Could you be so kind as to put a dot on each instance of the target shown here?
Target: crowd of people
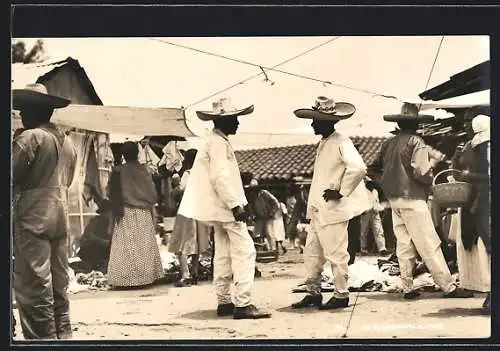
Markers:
(214, 209)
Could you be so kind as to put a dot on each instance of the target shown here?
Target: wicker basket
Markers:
(451, 195)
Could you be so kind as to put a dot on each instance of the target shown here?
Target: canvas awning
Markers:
(124, 120)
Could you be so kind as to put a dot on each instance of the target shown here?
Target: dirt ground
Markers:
(164, 312)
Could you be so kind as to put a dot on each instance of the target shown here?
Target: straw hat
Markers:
(409, 112)
(223, 108)
(37, 95)
(327, 109)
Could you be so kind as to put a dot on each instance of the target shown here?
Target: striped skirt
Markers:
(135, 257)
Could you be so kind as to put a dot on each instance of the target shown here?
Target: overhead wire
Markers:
(264, 69)
(432, 69)
(251, 77)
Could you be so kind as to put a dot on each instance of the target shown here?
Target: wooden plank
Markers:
(125, 120)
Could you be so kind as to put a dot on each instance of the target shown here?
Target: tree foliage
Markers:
(21, 55)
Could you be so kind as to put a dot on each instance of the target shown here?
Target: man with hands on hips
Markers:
(214, 193)
(338, 170)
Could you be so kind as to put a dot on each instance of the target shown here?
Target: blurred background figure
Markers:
(268, 210)
(370, 219)
(135, 257)
(189, 236)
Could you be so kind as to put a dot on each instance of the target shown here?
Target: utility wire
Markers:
(432, 69)
(251, 77)
(263, 69)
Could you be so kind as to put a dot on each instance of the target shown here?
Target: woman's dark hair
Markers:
(189, 157)
(130, 151)
(115, 195)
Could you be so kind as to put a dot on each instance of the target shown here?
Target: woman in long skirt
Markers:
(135, 257)
(474, 239)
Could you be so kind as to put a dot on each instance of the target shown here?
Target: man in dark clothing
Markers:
(43, 166)
(95, 241)
(406, 169)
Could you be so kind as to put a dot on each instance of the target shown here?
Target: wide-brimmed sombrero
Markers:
(36, 95)
(223, 108)
(327, 109)
(409, 112)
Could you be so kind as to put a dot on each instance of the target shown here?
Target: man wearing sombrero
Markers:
(43, 167)
(405, 165)
(214, 193)
(338, 170)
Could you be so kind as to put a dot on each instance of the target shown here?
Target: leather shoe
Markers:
(225, 309)
(459, 293)
(334, 303)
(249, 312)
(309, 301)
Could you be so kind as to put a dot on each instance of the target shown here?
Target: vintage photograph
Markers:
(250, 188)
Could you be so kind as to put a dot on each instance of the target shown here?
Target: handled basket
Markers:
(451, 195)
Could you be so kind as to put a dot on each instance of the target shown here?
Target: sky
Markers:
(145, 72)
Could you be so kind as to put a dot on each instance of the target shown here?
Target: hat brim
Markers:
(400, 117)
(343, 110)
(24, 97)
(210, 115)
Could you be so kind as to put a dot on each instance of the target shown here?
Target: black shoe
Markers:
(412, 295)
(284, 250)
(309, 301)
(225, 309)
(183, 283)
(384, 253)
(334, 303)
(249, 312)
(459, 293)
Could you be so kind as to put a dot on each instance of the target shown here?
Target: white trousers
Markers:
(327, 243)
(234, 260)
(415, 233)
(371, 219)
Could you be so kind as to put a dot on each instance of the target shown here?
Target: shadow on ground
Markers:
(204, 315)
(456, 312)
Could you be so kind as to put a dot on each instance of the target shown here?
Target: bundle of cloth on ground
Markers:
(94, 280)
(382, 276)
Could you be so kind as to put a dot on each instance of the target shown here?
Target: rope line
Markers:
(264, 69)
(251, 77)
(432, 69)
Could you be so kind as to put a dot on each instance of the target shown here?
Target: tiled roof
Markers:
(284, 163)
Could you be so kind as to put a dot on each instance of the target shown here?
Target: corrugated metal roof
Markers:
(24, 74)
(284, 163)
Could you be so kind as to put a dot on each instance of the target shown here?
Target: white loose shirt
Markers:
(338, 166)
(214, 186)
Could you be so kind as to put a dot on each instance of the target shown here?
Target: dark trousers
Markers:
(353, 235)
(40, 285)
